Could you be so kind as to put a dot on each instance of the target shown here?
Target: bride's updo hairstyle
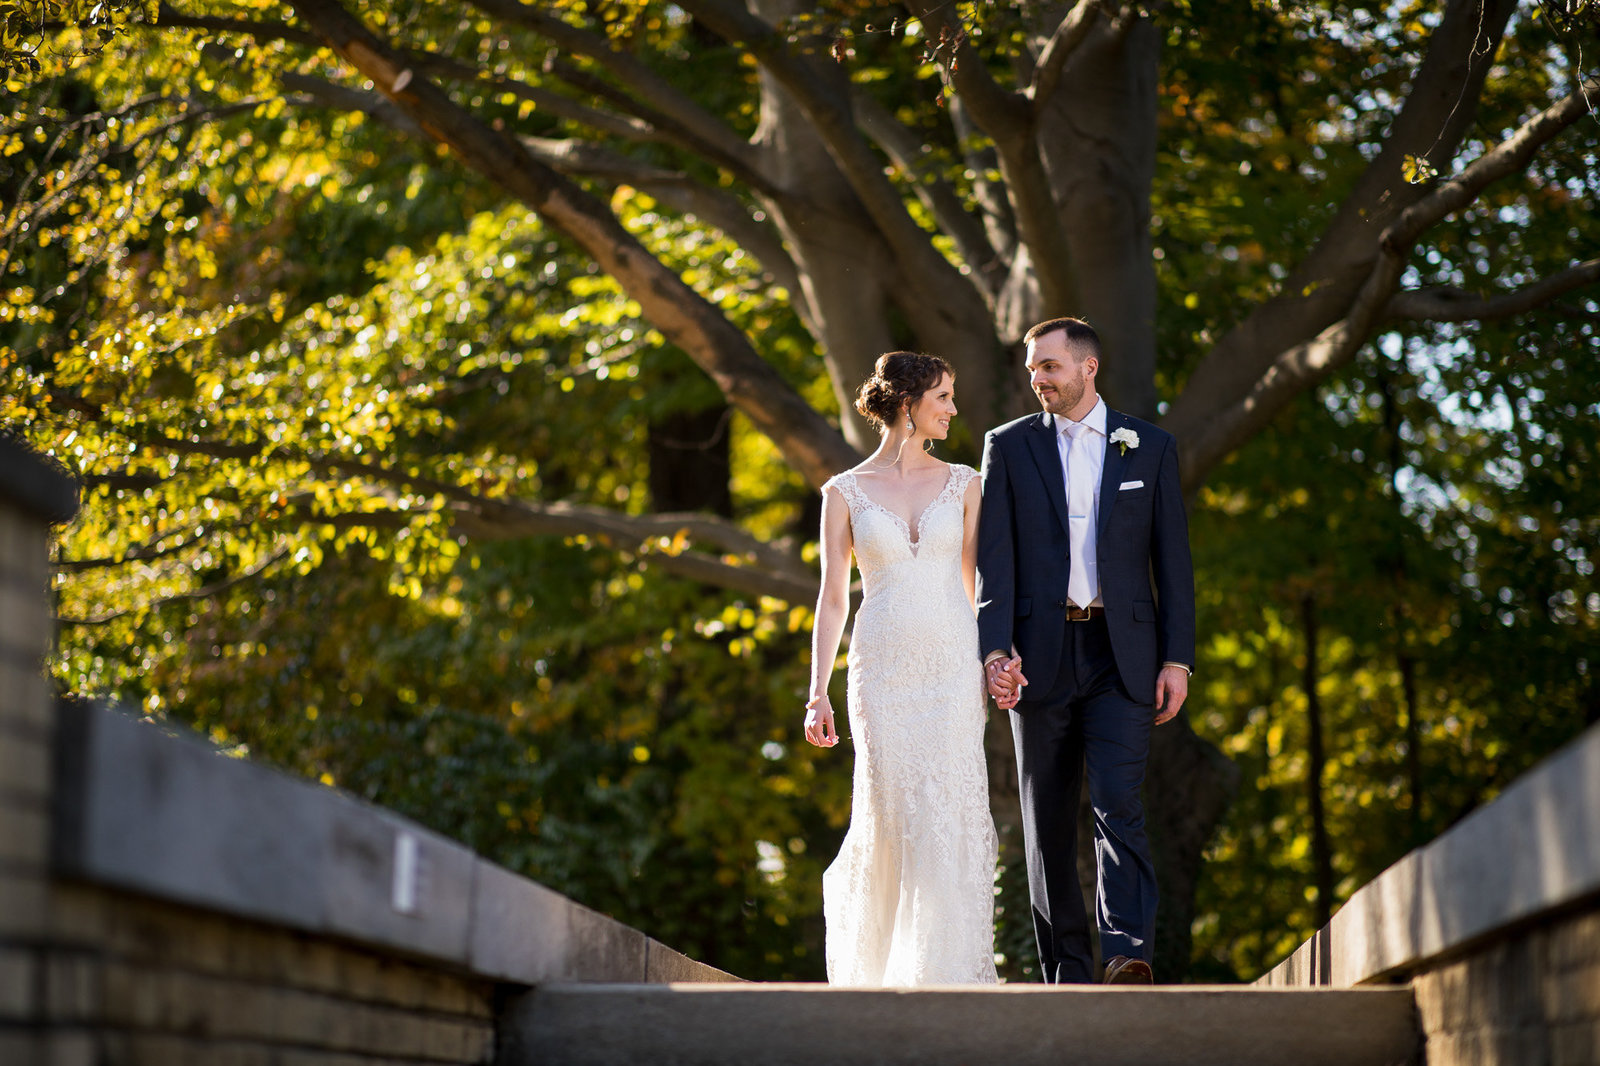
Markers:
(898, 377)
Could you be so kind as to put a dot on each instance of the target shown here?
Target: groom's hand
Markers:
(1005, 681)
(1172, 688)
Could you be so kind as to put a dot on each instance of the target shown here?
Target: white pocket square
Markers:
(1126, 485)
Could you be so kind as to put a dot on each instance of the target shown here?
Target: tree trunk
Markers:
(1405, 662)
(1413, 735)
(1098, 139)
(1316, 758)
(690, 461)
(852, 282)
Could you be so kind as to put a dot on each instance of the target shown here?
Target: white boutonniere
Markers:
(1125, 438)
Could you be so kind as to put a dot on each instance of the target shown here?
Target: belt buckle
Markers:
(1079, 614)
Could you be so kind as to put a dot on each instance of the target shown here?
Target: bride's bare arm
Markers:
(833, 606)
(972, 500)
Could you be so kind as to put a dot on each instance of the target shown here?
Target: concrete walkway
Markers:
(1017, 1025)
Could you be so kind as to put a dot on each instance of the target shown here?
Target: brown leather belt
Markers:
(1083, 614)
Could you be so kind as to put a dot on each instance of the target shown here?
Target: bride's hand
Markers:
(1005, 681)
(819, 723)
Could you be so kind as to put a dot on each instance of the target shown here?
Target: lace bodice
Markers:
(909, 901)
(883, 539)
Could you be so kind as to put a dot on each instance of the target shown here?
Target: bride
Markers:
(910, 899)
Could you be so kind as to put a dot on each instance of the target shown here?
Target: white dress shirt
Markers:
(1094, 442)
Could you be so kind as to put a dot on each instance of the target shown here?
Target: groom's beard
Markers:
(1062, 398)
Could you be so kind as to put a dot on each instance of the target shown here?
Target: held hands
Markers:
(819, 723)
(1005, 681)
(1172, 688)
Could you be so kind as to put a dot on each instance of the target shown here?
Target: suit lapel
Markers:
(1111, 472)
(1042, 443)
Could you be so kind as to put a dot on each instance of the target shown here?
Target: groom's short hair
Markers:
(1078, 332)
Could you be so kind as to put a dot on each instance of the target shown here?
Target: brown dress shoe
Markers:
(1121, 970)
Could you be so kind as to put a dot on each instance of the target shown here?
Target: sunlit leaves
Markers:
(1417, 171)
(28, 40)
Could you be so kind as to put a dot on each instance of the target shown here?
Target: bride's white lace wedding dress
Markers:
(910, 899)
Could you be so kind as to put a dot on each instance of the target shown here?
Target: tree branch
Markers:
(999, 111)
(828, 107)
(1008, 118)
(664, 128)
(1291, 373)
(87, 165)
(1509, 157)
(679, 121)
(814, 447)
(170, 16)
(653, 543)
(122, 480)
(714, 136)
(736, 560)
(998, 222)
(655, 540)
(721, 209)
(941, 200)
(343, 98)
(1377, 222)
(1071, 32)
(630, 127)
(513, 517)
(496, 519)
(642, 124)
(203, 593)
(150, 549)
(639, 124)
(1438, 112)
(748, 580)
(1449, 304)
(1303, 365)
(574, 157)
(746, 564)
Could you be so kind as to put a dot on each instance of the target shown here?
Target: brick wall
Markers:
(1530, 1000)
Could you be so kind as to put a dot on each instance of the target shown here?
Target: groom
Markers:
(1086, 621)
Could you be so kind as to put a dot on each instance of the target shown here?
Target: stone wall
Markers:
(136, 981)
(163, 904)
(1529, 999)
(31, 497)
(1495, 924)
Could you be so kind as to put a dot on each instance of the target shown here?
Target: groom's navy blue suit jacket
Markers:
(1146, 578)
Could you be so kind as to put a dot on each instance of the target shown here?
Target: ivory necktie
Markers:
(1084, 577)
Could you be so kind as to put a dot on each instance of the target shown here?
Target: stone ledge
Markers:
(1019, 1025)
(1532, 853)
(158, 812)
(35, 484)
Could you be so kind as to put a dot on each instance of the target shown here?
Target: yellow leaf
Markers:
(1417, 171)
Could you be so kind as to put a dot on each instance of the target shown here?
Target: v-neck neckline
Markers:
(907, 528)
